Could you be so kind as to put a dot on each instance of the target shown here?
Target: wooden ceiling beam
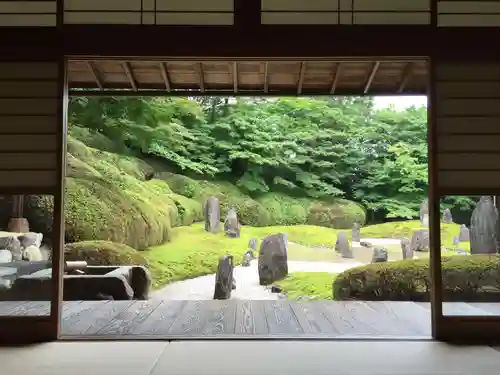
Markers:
(371, 77)
(95, 74)
(235, 77)
(164, 75)
(201, 76)
(130, 75)
(266, 84)
(405, 77)
(336, 77)
(301, 77)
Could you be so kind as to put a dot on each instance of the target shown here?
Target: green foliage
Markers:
(315, 285)
(321, 148)
(103, 253)
(465, 279)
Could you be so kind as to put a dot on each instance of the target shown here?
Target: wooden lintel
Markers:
(405, 78)
(95, 74)
(201, 76)
(301, 77)
(266, 85)
(336, 77)
(235, 77)
(165, 77)
(130, 75)
(369, 81)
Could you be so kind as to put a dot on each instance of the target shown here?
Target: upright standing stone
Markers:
(247, 258)
(252, 244)
(424, 210)
(380, 255)
(224, 278)
(464, 234)
(231, 224)
(420, 240)
(273, 259)
(356, 232)
(483, 227)
(447, 218)
(212, 215)
(425, 221)
(343, 245)
(456, 241)
(406, 248)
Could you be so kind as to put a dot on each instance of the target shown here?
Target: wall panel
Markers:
(468, 125)
(27, 13)
(29, 125)
(472, 13)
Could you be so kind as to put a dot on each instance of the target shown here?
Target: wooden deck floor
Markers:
(237, 318)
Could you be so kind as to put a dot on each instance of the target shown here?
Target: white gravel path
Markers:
(247, 282)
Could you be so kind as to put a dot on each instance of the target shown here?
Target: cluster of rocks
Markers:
(273, 252)
(18, 247)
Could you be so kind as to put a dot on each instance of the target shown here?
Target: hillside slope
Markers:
(114, 196)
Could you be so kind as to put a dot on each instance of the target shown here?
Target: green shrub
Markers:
(340, 214)
(189, 210)
(465, 279)
(103, 253)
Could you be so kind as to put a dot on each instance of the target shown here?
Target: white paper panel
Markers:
(473, 20)
(392, 5)
(95, 5)
(27, 7)
(303, 5)
(469, 7)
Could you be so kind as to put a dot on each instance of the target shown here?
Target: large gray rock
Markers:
(424, 210)
(12, 244)
(343, 246)
(420, 240)
(447, 218)
(380, 255)
(231, 224)
(464, 234)
(273, 259)
(455, 241)
(212, 215)
(31, 239)
(483, 227)
(425, 221)
(406, 248)
(224, 278)
(5, 256)
(356, 232)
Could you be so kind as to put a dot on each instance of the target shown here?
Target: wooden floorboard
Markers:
(238, 318)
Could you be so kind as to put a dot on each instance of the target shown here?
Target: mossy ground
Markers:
(315, 285)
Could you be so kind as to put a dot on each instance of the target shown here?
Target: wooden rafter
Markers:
(301, 77)
(130, 75)
(201, 76)
(95, 74)
(235, 77)
(369, 81)
(405, 77)
(164, 75)
(336, 77)
(266, 85)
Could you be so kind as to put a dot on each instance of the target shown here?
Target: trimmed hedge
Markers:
(465, 278)
(103, 253)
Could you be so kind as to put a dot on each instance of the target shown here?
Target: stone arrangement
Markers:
(447, 218)
(273, 259)
(343, 246)
(380, 254)
(406, 248)
(231, 224)
(19, 247)
(424, 211)
(247, 258)
(252, 244)
(483, 227)
(356, 232)
(212, 215)
(420, 240)
(464, 234)
(224, 278)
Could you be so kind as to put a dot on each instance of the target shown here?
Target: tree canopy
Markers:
(321, 147)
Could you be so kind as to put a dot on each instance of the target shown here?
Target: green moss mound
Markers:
(311, 285)
(271, 208)
(465, 279)
(103, 253)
